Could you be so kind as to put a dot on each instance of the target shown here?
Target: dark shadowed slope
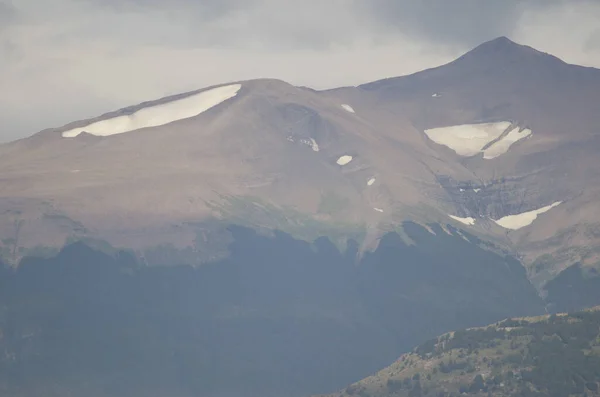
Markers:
(278, 317)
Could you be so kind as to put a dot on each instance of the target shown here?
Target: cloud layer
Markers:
(63, 60)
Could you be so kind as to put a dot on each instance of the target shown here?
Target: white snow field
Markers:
(344, 160)
(377, 209)
(371, 181)
(518, 221)
(158, 115)
(468, 139)
(467, 221)
(502, 146)
(348, 108)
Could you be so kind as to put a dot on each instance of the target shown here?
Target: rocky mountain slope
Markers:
(283, 241)
(547, 356)
(501, 142)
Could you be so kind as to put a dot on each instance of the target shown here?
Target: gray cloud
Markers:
(462, 22)
(8, 14)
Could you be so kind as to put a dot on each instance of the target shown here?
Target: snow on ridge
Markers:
(343, 160)
(348, 108)
(371, 181)
(158, 115)
(467, 221)
(314, 145)
(518, 221)
(377, 209)
(467, 139)
(310, 142)
(502, 146)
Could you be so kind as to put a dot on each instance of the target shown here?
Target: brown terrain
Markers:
(248, 160)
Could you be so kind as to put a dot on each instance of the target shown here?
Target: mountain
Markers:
(265, 239)
(546, 356)
(272, 156)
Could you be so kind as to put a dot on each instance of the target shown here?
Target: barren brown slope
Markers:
(252, 159)
(503, 81)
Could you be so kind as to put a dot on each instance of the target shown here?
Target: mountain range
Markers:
(257, 238)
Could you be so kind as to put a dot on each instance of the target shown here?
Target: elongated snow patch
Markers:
(158, 115)
(348, 108)
(377, 209)
(344, 160)
(502, 146)
(467, 221)
(371, 181)
(468, 139)
(518, 221)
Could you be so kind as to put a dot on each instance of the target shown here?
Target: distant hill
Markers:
(549, 356)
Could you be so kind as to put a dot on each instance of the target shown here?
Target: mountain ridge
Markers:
(513, 357)
(244, 147)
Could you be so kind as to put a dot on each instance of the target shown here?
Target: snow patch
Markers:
(429, 229)
(468, 139)
(518, 221)
(377, 209)
(436, 95)
(310, 142)
(344, 160)
(467, 221)
(348, 108)
(502, 146)
(476, 190)
(158, 115)
(371, 181)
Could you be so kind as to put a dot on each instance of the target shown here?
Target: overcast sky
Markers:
(63, 60)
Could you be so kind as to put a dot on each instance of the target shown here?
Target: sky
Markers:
(65, 60)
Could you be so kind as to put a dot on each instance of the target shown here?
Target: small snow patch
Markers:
(378, 209)
(158, 115)
(429, 229)
(310, 142)
(467, 221)
(348, 108)
(518, 221)
(476, 190)
(371, 181)
(468, 139)
(344, 160)
(436, 95)
(502, 146)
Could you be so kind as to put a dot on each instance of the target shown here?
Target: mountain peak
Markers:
(502, 49)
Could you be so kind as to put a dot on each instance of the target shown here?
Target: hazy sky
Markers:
(62, 60)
